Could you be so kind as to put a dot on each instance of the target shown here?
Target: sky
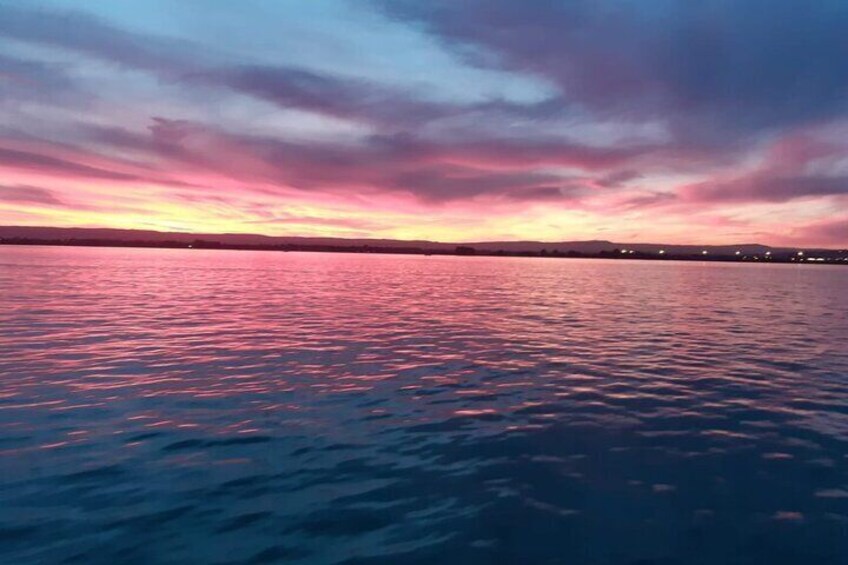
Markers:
(717, 121)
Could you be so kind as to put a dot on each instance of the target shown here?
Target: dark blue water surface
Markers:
(178, 406)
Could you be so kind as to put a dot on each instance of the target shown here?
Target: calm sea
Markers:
(178, 406)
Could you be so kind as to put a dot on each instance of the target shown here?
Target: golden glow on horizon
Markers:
(236, 208)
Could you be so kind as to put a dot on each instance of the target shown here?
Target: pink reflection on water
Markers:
(284, 334)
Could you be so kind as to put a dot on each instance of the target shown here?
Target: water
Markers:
(176, 406)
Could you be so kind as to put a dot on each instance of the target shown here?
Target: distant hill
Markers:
(592, 247)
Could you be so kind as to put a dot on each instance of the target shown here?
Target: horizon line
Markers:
(425, 241)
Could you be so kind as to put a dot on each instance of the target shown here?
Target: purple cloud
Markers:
(24, 194)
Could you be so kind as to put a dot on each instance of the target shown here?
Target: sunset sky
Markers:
(675, 121)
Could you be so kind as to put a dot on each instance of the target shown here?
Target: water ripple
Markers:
(168, 406)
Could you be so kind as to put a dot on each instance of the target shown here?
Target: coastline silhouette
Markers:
(85, 237)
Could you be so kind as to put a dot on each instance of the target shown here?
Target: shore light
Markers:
(704, 252)
(662, 251)
(800, 253)
(739, 253)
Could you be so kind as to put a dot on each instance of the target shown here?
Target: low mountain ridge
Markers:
(587, 247)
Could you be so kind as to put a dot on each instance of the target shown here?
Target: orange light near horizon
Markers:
(236, 207)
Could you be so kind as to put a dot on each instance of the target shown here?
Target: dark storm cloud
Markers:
(728, 65)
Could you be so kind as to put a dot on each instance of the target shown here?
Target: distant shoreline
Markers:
(828, 258)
